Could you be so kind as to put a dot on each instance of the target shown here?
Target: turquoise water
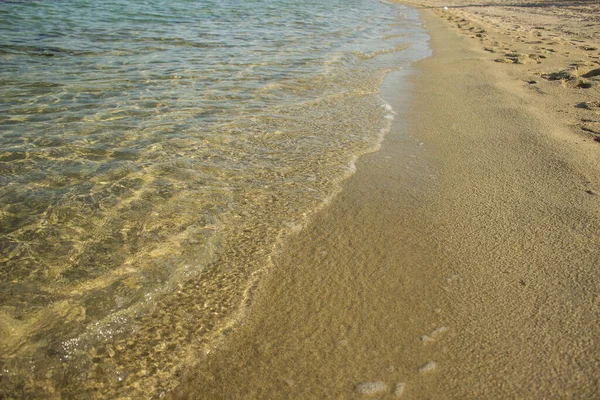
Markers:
(153, 156)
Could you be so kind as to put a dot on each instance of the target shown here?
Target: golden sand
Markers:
(462, 260)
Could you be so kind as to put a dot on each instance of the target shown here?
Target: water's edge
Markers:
(140, 350)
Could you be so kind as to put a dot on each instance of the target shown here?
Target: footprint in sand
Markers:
(592, 74)
(519, 58)
(592, 127)
(589, 105)
(573, 78)
(375, 388)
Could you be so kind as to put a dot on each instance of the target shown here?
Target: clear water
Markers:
(153, 155)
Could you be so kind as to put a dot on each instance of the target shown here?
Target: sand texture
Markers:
(462, 260)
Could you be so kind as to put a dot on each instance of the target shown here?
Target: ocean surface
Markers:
(154, 156)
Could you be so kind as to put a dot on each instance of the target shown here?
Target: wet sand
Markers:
(460, 261)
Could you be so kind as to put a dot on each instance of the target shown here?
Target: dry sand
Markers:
(552, 46)
(462, 260)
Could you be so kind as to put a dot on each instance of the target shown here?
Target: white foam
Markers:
(352, 166)
(388, 107)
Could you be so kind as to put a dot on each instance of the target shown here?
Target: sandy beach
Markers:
(462, 259)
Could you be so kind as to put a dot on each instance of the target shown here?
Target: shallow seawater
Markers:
(153, 156)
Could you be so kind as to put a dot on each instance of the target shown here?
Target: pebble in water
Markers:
(371, 388)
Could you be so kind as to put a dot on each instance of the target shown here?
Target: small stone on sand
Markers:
(439, 330)
(425, 339)
(399, 388)
(371, 388)
(430, 366)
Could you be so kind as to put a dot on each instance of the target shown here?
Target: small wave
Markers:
(373, 54)
(150, 173)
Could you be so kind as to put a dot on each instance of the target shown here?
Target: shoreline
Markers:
(460, 261)
(141, 248)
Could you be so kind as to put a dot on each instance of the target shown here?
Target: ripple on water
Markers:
(152, 156)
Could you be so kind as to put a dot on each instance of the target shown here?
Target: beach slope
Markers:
(460, 261)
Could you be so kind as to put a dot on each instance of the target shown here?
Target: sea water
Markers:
(153, 156)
